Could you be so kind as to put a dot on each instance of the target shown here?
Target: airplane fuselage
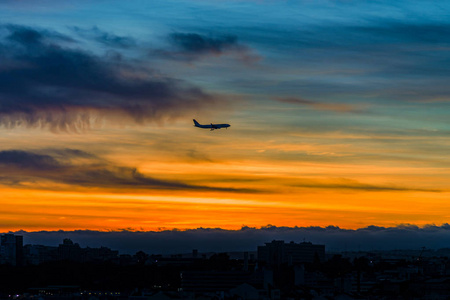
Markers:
(211, 126)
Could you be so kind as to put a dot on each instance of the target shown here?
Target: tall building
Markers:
(276, 253)
(69, 251)
(11, 249)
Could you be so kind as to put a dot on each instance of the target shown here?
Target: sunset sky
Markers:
(339, 114)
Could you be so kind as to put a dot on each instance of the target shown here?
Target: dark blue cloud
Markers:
(28, 160)
(106, 38)
(45, 83)
(196, 43)
(193, 46)
(64, 166)
(27, 36)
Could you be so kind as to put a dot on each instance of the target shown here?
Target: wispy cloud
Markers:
(377, 59)
(348, 184)
(336, 107)
(105, 38)
(82, 169)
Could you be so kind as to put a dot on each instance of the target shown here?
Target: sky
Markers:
(338, 112)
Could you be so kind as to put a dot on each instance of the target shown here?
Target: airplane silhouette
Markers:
(211, 126)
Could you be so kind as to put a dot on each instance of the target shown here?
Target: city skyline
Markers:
(338, 113)
(372, 238)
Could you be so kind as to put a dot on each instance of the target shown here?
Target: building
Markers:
(11, 249)
(38, 254)
(276, 253)
(69, 251)
(101, 254)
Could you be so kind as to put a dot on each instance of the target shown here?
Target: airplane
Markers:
(212, 126)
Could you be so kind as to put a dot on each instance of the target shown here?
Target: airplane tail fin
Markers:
(196, 123)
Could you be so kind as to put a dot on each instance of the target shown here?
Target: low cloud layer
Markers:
(47, 80)
(247, 239)
(82, 169)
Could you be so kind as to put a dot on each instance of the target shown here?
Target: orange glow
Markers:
(39, 210)
(222, 184)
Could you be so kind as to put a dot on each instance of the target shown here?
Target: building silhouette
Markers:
(37, 254)
(277, 253)
(69, 251)
(11, 249)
